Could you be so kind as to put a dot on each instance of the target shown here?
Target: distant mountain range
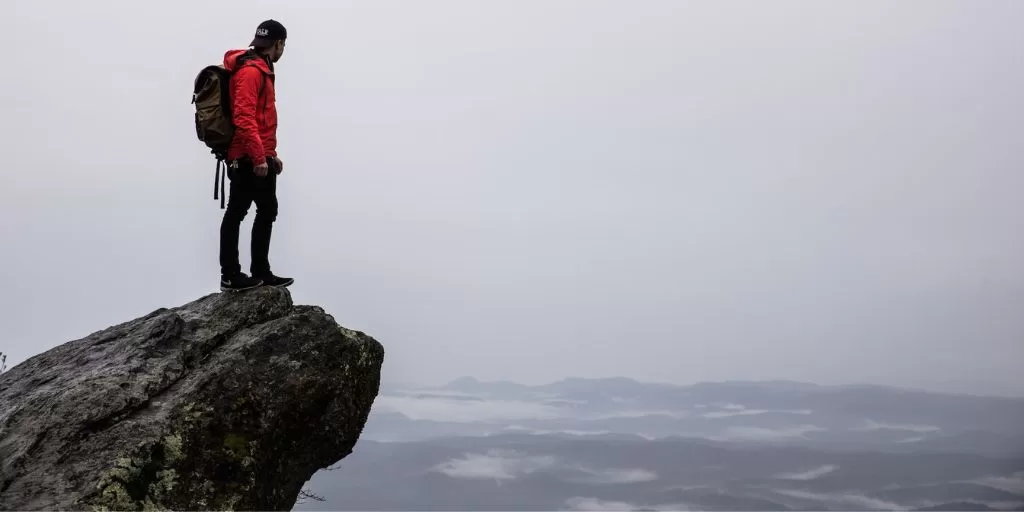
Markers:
(620, 444)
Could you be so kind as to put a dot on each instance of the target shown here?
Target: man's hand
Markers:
(280, 165)
(261, 170)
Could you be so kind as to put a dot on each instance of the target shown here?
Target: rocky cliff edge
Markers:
(229, 402)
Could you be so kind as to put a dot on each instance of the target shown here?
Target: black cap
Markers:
(268, 33)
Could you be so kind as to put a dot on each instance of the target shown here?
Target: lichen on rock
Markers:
(228, 402)
(142, 480)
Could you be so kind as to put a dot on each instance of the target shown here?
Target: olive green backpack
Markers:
(211, 95)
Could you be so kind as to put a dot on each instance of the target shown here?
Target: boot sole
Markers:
(227, 289)
(282, 285)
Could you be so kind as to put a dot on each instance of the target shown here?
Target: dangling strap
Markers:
(218, 180)
(223, 179)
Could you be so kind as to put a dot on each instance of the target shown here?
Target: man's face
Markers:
(277, 51)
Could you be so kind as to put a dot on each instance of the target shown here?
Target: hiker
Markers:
(252, 162)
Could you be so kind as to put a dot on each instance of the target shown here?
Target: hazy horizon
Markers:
(668, 191)
(445, 382)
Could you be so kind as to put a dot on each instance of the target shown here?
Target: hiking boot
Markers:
(238, 282)
(269, 279)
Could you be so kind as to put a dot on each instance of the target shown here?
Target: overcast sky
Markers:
(666, 190)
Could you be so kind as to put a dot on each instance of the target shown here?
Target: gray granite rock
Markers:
(229, 402)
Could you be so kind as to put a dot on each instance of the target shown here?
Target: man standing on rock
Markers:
(253, 165)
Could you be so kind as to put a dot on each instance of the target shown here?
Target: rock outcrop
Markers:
(229, 402)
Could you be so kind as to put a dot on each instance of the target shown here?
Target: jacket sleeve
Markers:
(245, 90)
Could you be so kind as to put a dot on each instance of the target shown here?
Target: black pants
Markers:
(246, 188)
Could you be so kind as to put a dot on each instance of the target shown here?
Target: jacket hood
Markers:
(235, 59)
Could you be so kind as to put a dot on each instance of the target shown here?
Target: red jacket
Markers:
(253, 106)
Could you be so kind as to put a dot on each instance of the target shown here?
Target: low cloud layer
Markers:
(848, 501)
(447, 409)
(1011, 483)
(598, 505)
(751, 412)
(615, 476)
(511, 464)
(871, 425)
(494, 465)
(766, 434)
(809, 475)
